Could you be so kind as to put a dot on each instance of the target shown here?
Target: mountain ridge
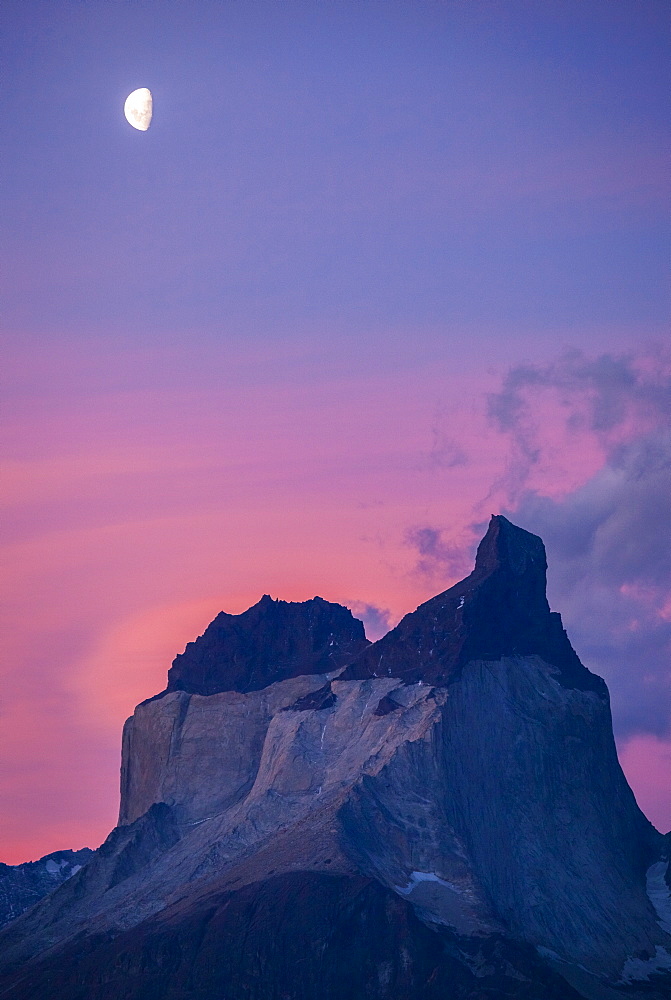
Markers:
(469, 791)
(271, 641)
(22, 885)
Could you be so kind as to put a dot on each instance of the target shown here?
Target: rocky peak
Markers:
(508, 549)
(500, 609)
(271, 641)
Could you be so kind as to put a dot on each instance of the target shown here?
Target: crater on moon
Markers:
(138, 109)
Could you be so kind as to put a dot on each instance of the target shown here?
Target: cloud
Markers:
(377, 621)
(587, 466)
(612, 398)
(609, 555)
(608, 537)
(440, 559)
(445, 452)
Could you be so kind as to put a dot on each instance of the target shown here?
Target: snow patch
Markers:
(640, 968)
(659, 894)
(441, 902)
(55, 867)
(417, 877)
(63, 868)
(548, 953)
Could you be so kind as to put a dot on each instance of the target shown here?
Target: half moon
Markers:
(138, 109)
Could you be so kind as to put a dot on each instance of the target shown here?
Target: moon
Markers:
(138, 108)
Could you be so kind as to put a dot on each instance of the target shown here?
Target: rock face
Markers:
(303, 814)
(21, 886)
(271, 641)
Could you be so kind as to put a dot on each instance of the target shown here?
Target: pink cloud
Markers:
(646, 761)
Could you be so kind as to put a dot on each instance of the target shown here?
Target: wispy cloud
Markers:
(615, 399)
(608, 538)
(609, 552)
(445, 452)
(377, 621)
(440, 559)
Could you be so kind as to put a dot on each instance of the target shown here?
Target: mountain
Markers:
(270, 642)
(440, 814)
(21, 886)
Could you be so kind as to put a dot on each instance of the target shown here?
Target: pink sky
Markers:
(306, 333)
(137, 514)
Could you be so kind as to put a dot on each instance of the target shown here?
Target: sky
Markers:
(376, 271)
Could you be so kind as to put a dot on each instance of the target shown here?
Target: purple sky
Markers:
(377, 270)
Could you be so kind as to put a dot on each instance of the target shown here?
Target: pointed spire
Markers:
(500, 609)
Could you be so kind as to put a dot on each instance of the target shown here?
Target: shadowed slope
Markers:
(299, 936)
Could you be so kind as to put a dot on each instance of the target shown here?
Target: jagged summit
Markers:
(271, 641)
(500, 609)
